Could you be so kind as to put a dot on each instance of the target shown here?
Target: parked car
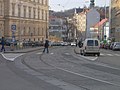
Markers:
(90, 46)
(111, 45)
(73, 43)
(8, 42)
(116, 46)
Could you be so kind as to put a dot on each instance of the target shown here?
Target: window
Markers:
(13, 9)
(38, 13)
(34, 12)
(29, 12)
(90, 43)
(96, 43)
(24, 11)
(19, 10)
(42, 14)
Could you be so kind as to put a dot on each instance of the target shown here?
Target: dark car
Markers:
(8, 42)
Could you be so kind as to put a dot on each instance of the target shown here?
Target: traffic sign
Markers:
(13, 27)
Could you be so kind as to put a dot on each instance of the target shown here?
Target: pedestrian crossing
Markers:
(111, 55)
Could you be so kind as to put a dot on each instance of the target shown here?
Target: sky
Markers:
(61, 5)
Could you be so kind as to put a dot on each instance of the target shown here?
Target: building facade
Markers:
(58, 28)
(84, 21)
(115, 20)
(80, 23)
(1, 18)
(25, 19)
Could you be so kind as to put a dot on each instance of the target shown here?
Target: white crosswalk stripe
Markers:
(117, 54)
(105, 54)
(110, 55)
(102, 54)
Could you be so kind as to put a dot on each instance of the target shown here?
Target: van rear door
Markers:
(92, 45)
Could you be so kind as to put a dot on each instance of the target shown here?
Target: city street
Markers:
(60, 69)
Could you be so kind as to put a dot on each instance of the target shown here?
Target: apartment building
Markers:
(84, 21)
(80, 23)
(1, 18)
(115, 20)
(58, 28)
(25, 19)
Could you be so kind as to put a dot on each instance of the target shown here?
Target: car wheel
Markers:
(81, 52)
(84, 53)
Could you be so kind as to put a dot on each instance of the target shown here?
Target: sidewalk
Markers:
(22, 50)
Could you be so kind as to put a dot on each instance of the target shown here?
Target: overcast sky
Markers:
(58, 5)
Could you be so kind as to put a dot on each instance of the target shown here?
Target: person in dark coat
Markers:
(46, 45)
(3, 44)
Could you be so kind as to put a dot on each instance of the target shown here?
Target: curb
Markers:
(24, 50)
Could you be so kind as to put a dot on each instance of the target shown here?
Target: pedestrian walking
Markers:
(46, 45)
(3, 44)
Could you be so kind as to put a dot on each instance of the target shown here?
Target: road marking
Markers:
(51, 53)
(89, 58)
(67, 53)
(117, 54)
(109, 54)
(11, 57)
(39, 53)
(102, 54)
(85, 76)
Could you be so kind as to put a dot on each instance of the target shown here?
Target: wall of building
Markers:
(115, 19)
(93, 17)
(57, 28)
(1, 18)
(30, 18)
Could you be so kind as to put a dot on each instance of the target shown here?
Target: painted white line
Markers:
(52, 53)
(39, 53)
(117, 54)
(67, 53)
(11, 57)
(109, 54)
(102, 54)
(103, 81)
(89, 58)
(99, 80)
(107, 66)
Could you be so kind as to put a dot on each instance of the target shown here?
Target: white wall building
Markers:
(93, 17)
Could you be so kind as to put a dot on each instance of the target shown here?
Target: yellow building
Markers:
(80, 23)
(115, 19)
(25, 19)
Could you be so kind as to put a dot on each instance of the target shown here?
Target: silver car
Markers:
(116, 46)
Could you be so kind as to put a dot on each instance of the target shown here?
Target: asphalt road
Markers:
(61, 69)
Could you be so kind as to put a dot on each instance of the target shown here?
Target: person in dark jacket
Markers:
(3, 44)
(46, 45)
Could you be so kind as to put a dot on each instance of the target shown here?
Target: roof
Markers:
(101, 22)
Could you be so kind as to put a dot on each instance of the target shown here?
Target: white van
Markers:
(90, 46)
